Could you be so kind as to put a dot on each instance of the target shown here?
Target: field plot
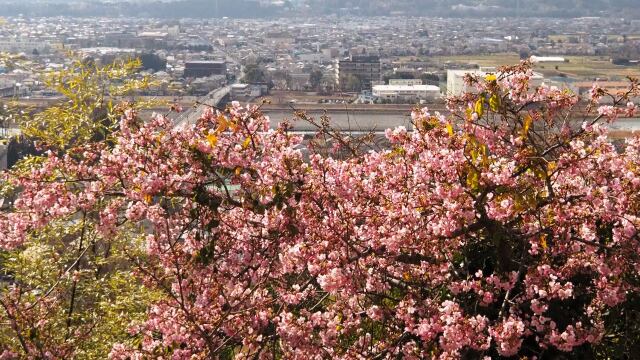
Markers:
(578, 67)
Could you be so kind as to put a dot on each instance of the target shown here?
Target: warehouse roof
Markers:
(401, 88)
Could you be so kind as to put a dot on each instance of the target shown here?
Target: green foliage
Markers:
(254, 74)
(88, 111)
(316, 78)
(152, 61)
(90, 294)
(353, 83)
(79, 283)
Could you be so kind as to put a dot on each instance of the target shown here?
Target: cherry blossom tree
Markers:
(508, 227)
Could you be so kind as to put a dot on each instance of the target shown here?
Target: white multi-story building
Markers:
(547, 59)
(406, 92)
(241, 91)
(23, 45)
(456, 85)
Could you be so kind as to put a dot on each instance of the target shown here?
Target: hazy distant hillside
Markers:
(251, 8)
(137, 8)
(481, 8)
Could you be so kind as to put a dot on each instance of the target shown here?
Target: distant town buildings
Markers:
(324, 54)
(23, 45)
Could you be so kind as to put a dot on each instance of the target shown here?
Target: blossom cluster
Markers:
(464, 238)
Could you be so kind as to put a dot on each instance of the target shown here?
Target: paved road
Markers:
(192, 115)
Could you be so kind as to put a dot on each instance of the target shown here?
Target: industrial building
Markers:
(405, 82)
(193, 69)
(406, 93)
(246, 91)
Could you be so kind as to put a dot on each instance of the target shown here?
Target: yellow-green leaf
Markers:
(485, 155)
(223, 124)
(526, 125)
(450, 129)
(474, 155)
(494, 102)
(469, 112)
(246, 142)
(538, 172)
(213, 140)
(543, 242)
(473, 179)
(479, 108)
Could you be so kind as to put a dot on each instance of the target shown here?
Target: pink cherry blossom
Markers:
(469, 236)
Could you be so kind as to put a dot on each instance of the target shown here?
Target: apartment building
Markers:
(358, 73)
